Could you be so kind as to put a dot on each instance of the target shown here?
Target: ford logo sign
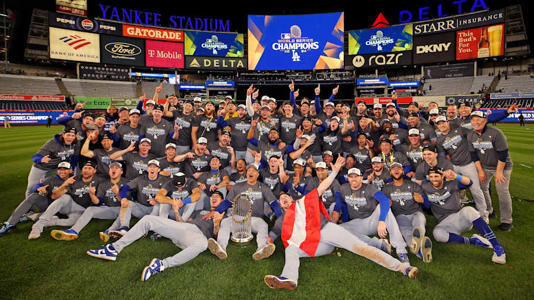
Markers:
(123, 49)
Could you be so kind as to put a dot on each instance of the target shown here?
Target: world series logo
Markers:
(294, 43)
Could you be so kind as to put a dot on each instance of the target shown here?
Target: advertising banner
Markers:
(83, 24)
(214, 44)
(372, 81)
(458, 99)
(94, 102)
(404, 84)
(164, 54)
(383, 100)
(449, 71)
(528, 115)
(32, 98)
(215, 63)
(31, 117)
(381, 40)
(383, 60)
(152, 33)
(122, 51)
(124, 102)
(511, 95)
(212, 83)
(465, 21)
(434, 48)
(74, 45)
(296, 42)
(101, 72)
(480, 42)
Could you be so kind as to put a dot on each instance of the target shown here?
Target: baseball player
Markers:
(198, 163)
(136, 162)
(107, 198)
(326, 236)
(405, 197)
(239, 127)
(361, 214)
(71, 199)
(190, 236)
(40, 197)
(430, 160)
(205, 125)
(259, 193)
(101, 155)
(184, 119)
(127, 133)
(158, 131)
(180, 189)
(441, 196)
(378, 175)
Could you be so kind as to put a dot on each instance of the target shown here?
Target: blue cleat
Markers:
(106, 253)
(499, 257)
(153, 268)
(6, 228)
(117, 234)
(426, 250)
(64, 235)
(411, 272)
(275, 282)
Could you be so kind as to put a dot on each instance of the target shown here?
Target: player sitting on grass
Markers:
(308, 232)
(441, 195)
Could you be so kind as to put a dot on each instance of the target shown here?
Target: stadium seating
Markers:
(448, 86)
(28, 85)
(516, 84)
(480, 83)
(149, 87)
(32, 105)
(100, 88)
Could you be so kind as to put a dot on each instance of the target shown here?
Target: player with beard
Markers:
(361, 214)
(289, 123)
(240, 175)
(268, 146)
(299, 149)
(184, 119)
(331, 138)
(129, 132)
(330, 195)
(158, 130)
(441, 196)
(101, 156)
(426, 131)
(389, 156)
(239, 127)
(198, 162)
(259, 193)
(329, 108)
(397, 136)
(296, 184)
(406, 197)
(377, 176)
(413, 151)
(224, 151)
(430, 160)
(136, 162)
(363, 153)
(331, 235)
(215, 179)
(172, 163)
(205, 125)
(106, 195)
(271, 174)
(181, 194)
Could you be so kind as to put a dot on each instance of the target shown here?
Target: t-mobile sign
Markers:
(164, 54)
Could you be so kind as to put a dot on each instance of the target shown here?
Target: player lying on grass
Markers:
(308, 232)
(441, 196)
(192, 236)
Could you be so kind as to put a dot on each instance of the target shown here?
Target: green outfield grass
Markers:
(50, 269)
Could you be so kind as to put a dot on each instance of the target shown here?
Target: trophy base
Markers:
(241, 238)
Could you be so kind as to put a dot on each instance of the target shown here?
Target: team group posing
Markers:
(356, 172)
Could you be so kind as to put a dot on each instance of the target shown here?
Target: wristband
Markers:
(458, 177)
(186, 200)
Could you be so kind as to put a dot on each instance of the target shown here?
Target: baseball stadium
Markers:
(216, 151)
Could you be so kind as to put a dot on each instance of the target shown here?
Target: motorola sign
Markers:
(434, 48)
(387, 60)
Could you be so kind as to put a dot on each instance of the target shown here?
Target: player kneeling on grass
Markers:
(71, 199)
(191, 237)
(259, 193)
(442, 198)
(405, 197)
(107, 195)
(38, 200)
(308, 232)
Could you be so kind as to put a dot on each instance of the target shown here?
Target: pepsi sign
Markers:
(83, 24)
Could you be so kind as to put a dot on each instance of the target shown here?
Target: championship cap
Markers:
(328, 152)
(376, 159)
(435, 169)
(434, 111)
(266, 107)
(336, 118)
(479, 113)
(202, 140)
(92, 127)
(217, 193)
(228, 97)
(145, 140)
(106, 135)
(430, 147)
(306, 136)
(243, 106)
(395, 165)
(413, 131)
(134, 111)
(197, 99)
(329, 104)
(173, 145)
(354, 171)
(377, 105)
(63, 165)
(441, 119)
(151, 102)
(321, 165)
(153, 162)
(265, 98)
(299, 161)
(158, 107)
(70, 129)
(116, 164)
(178, 179)
(123, 108)
(89, 163)
(271, 99)
(390, 104)
(385, 140)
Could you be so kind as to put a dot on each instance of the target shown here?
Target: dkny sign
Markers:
(434, 48)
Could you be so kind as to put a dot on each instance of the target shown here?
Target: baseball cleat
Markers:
(499, 257)
(104, 236)
(117, 234)
(426, 250)
(155, 236)
(505, 226)
(403, 257)
(481, 241)
(486, 219)
(153, 268)
(417, 237)
(64, 235)
(275, 282)
(386, 246)
(34, 234)
(264, 252)
(6, 228)
(411, 272)
(106, 253)
(216, 249)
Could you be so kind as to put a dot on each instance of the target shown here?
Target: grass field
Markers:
(50, 269)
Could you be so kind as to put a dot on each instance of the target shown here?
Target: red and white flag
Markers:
(302, 223)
